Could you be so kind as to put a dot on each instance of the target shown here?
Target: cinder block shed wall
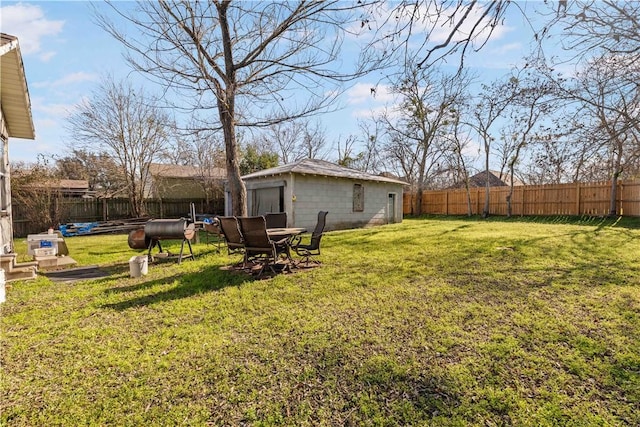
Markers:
(306, 195)
(312, 193)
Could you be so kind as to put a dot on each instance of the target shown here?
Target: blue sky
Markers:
(65, 54)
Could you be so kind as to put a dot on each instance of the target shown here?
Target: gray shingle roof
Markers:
(321, 168)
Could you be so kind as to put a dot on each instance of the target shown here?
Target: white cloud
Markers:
(47, 56)
(68, 80)
(28, 23)
(506, 48)
(58, 110)
(369, 93)
(362, 113)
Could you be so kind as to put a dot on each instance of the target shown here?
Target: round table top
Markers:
(291, 231)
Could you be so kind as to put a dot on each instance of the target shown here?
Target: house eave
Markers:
(14, 93)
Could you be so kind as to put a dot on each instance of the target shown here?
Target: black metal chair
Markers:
(258, 248)
(231, 233)
(276, 219)
(308, 251)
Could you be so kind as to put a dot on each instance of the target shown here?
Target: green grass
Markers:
(435, 321)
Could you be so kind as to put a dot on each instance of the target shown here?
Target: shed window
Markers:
(358, 197)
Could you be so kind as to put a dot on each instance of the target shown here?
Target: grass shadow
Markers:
(208, 279)
(587, 220)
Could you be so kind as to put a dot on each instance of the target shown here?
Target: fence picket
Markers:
(92, 210)
(552, 199)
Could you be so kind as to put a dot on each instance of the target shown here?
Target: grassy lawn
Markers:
(435, 321)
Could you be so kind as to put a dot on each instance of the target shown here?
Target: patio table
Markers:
(288, 233)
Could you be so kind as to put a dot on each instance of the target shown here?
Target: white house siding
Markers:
(315, 193)
(6, 228)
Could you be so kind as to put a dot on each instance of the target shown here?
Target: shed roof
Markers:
(180, 171)
(321, 168)
(14, 93)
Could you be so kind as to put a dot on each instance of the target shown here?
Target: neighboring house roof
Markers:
(321, 168)
(74, 184)
(179, 171)
(480, 180)
(14, 93)
(65, 186)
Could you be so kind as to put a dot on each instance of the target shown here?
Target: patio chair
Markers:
(276, 219)
(308, 251)
(258, 248)
(213, 231)
(231, 233)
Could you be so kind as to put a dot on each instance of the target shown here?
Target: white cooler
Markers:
(43, 244)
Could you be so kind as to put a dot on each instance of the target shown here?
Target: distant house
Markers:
(303, 188)
(183, 182)
(63, 187)
(480, 180)
(16, 122)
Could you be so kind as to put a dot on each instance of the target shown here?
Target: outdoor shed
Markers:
(303, 188)
(15, 122)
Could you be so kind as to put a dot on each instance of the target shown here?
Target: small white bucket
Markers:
(138, 266)
(2, 286)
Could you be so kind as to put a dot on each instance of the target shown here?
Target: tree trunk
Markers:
(227, 111)
(485, 211)
(469, 208)
(510, 195)
(614, 193)
(236, 186)
(419, 199)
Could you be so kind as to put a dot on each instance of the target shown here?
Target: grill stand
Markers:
(181, 256)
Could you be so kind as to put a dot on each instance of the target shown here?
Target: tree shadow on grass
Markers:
(209, 279)
(587, 220)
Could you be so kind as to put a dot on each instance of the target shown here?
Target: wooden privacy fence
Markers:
(91, 210)
(556, 199)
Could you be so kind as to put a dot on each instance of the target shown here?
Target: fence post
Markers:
(577, 199)
(446, 203)
(621, 210)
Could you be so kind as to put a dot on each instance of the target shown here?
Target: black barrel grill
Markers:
(156, 230)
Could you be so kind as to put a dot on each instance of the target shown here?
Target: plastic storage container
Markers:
(48, 241)
(138, 266)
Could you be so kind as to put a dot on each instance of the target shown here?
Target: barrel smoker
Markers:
(156, 230)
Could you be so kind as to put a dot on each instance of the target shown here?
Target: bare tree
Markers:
(528, 108)
(244, 59)
(362, 151)
(346, 151)
(98, 169)
(125, 124)
(459, 140)
(36, 189)
(490, 105)
(594, 27)
(416, 130)
(314, 142)
(285, 137)
(610, 98)
(429, 30)
(207, 155)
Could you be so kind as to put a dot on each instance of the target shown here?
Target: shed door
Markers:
(391, 209)
(267, 200)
